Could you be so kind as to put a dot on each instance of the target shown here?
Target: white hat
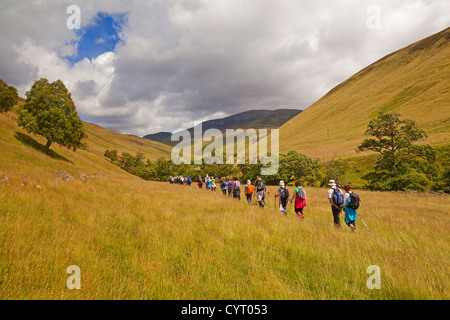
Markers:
(282, 183)
(249, 182)
(332, 183)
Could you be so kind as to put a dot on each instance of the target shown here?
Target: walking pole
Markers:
(364, 223)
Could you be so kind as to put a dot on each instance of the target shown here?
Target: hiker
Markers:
(223, 186)
(236, 188)
(208, 183)
(264, 199)
(189, 181)
(300, 199)
(259, 191)
(336, 199)
(249, 189)
(171, 180)
(200, 182)
(230, 187)
(283, 196)
(213, 184)
(351, 204)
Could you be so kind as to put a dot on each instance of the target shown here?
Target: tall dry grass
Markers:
(144, 240)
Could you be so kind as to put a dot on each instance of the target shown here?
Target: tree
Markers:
(111, 155)
(50, 112)
(402, 165)
(295, 166)
(334, 169)
(8, 97)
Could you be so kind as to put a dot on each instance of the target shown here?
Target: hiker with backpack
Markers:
(200, 182)
(230, 188)
(336, 199)
(249, 189)
(223, 186)
(351, 204)
(236, 188)
(283, 196)
(264, 199)
(259, 191)
(300, 199)
(213, 184)
(208, 183)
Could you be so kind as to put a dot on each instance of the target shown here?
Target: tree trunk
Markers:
(47, 147)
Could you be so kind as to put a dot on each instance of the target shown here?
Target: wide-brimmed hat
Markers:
(249, 182)
(332, 183)
(282, 183)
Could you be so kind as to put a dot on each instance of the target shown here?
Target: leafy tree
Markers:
(402, 165)
(8, 97)
(111, 155)
(442, 182)
(295, 166)
(164, 169)
(50, 112)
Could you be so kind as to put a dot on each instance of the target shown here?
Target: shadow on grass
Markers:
(27, 140)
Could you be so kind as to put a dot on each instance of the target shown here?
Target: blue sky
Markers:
(99, 37)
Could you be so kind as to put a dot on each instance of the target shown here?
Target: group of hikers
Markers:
(349, 202)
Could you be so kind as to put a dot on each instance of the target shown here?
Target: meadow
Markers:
(134, 239)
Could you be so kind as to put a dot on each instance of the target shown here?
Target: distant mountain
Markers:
(253, 119)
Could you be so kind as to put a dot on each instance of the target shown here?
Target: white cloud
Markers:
(182, 61)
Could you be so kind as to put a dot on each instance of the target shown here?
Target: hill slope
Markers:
(413, 81)
(253, 119)
(21, 152)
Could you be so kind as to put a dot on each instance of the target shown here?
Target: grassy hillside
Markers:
(134, 239)
(21, 152)
(412, 81)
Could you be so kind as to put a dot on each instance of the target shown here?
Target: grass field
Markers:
(134, 239)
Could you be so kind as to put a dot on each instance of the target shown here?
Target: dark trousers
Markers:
(249, 198)
(336, 218)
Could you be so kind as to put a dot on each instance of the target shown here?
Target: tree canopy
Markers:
(50, 112)
(402, 165)
(8, 96)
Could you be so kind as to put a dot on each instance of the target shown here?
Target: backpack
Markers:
(237, 185)
(260, 186)
(301, 194)
(230, 185)
(338, 197)
(189, 180)
(250, 189)
(284, 193)
(354, 201)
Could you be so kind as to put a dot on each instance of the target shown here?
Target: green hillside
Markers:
(412, 81)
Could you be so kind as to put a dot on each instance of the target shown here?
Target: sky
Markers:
(141, 67)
